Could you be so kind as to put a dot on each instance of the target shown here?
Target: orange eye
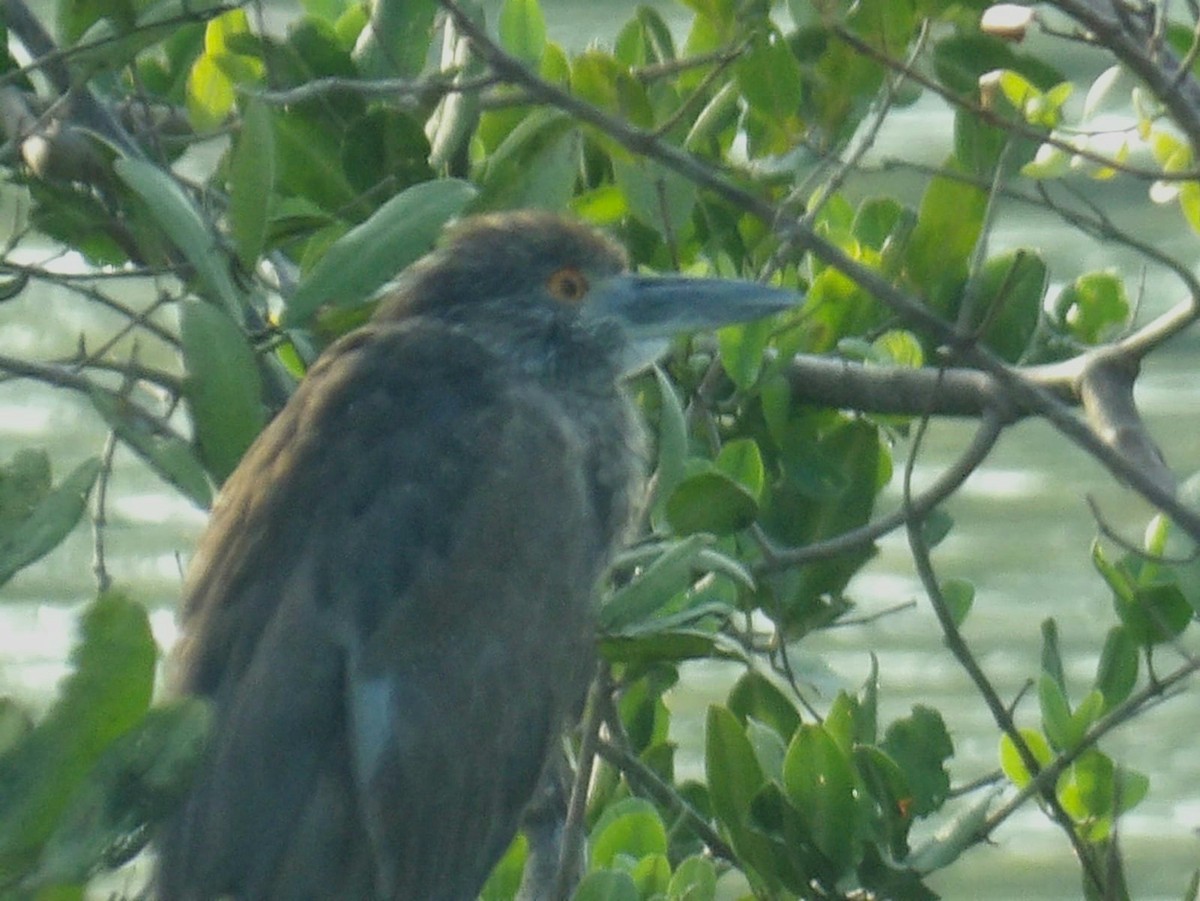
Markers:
(567, 284)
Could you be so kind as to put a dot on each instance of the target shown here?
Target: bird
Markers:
(390, 612)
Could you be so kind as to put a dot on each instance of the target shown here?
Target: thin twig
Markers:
(664, 793)
(966, 659)
(573, 828)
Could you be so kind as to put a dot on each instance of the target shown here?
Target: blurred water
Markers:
(1022, 536)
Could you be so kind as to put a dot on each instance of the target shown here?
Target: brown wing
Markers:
(390, 612)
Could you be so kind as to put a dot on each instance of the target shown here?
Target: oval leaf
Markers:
(182, 223)
(710, 502)
(398, 233)
(107, 692)
(223, 386)
(49, 522)
(819, 780)
(251, 179)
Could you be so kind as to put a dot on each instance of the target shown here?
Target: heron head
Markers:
(549, 267)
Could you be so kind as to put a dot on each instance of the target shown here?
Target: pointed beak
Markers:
(653, 309)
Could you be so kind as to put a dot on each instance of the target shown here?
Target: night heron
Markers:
(391, 607)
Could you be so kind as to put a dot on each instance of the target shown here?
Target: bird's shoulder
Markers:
(362, 478)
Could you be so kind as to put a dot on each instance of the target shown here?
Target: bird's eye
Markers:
(567, 284)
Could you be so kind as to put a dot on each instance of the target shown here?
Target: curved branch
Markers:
(68, 376)
(897, 390)
(918, 506)
(1106, 388)
(966, 659)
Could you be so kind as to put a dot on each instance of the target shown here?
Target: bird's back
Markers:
(382, 611)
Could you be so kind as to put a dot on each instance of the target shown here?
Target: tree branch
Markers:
(1023, 392)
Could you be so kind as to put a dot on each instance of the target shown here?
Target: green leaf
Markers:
(830, 487)
(385, 145)
(396, 43)
(756, 697)
(216, 73)
(897, 347)
(666, 645)
(734, 778)
(210, 94)
(523, 30)
(76, 17)
(138, 779)
(1090, 709)
(251, 181)
(631, 828)
(885, 785)
(1086, 790)
(837, 307)
(959, 595)
(505, 880)
(1117, 578)
(866, 714)
(1094, 308)
(742, 461)
(1147, 598)
(651, 875)
(536, 165)
(1117, 671)
(876, 220)
(43, 524)
(1189, 204)
(920, 745)
(1051, 656)
(309, 161)
(1010, 759)
(399, 232)
(770, 748)
(70, 216)
(1050, 161)
(886, 25)
(962, 58)
(695, 879)
(655, 195)
(819, 780)
(107, 692)
(934, 529)
(654, 586)
(170, 456)
(710, 502)
(223, 387)
(769, 76)
(1056, 714)
(949, 222)
(607, 886)
(597, 78)
(1006, 300)
(672, 445)
(1130, 787)
(15, 724)
(717, 121)
(743, 348)
(174, 211)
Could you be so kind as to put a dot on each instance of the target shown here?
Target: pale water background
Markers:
(1022, 535)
